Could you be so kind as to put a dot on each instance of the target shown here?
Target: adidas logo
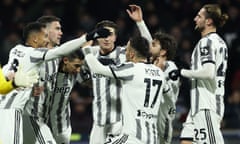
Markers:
(96, 35)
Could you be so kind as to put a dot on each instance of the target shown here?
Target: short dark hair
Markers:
(48, 19)
(141, 46)
(30, 28)
(167, 43)
(107, 23)
(214, 12)
(76, 54)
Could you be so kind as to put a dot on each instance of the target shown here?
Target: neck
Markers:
(49, 46)
(208, 30)
(136, 60)
(31, 44)
(105, 51)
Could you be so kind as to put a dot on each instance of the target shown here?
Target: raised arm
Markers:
(75, 44)
(94, 65)
(135, 13)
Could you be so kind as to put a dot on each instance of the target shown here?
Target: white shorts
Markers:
(205, 128)
(35, 132)
(122, 139)
(11, 126)
(99, 133)
(15, 99)
(64, 136)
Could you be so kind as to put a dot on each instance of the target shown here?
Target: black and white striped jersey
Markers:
(168, 105)
(209, 93)
(143, 86)
(28, 58)
(106, 91)
(60, 109)
(40, 106)
(32, 58)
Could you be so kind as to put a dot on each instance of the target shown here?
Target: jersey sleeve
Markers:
(208, 61)
(206, 72)
(144, 31)
(123, 71)
(207, 53)
(65, 49)
(118, 72)
(94, 65)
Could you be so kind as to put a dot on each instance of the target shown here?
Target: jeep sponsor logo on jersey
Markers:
(95, 75)
(62, 90)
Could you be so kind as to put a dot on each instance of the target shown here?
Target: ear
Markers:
(65, 60)
(132, 54)
(34, 38)
(209, 21)
(163, 52)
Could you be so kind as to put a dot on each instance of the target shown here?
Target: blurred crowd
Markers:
(172, 16)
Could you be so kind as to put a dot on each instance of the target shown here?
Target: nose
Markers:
(195, 19)
(78, 70)
(61, 33)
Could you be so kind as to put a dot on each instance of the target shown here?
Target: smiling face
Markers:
(107, 44)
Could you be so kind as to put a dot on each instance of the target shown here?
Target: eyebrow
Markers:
(77, 65)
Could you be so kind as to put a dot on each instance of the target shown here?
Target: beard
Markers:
(197, 28)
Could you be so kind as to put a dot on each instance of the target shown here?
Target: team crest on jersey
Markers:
(204, 51)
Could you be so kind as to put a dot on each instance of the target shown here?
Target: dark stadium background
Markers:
(172, 16)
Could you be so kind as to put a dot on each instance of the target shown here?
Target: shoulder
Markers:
(95, 49)
(171, 64)
(126, 64)
(121, 49)
(40, 49)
